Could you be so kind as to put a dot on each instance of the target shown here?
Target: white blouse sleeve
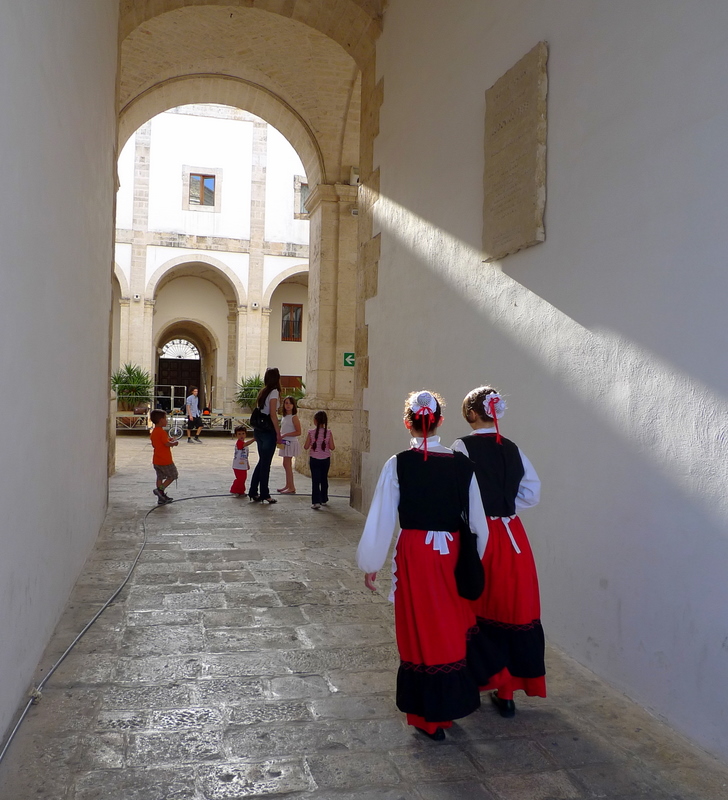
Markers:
(476, 515)
(529, 492)
(382, 521)
(459, 447)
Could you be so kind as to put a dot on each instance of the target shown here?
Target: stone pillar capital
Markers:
(330, 193)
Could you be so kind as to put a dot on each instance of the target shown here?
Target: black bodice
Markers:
(499, 470)
(433, 493)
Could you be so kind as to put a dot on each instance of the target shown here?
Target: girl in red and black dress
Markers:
(509, 610)
(426, 489)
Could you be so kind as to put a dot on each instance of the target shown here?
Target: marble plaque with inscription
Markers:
(515, 157)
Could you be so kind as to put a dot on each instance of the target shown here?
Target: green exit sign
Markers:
(349, 359)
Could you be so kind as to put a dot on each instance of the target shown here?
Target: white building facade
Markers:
(212, 250)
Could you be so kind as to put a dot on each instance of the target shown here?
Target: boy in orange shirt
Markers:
(162, 458)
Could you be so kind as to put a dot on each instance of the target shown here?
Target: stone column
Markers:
(225, 400)
(255, 357)
(264, 336)
(124, 312)
(137, 347)
(367, 274)
(242, 343)
(331, 299)
(149, 353)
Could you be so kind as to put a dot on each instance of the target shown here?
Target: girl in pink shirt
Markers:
(320, 445)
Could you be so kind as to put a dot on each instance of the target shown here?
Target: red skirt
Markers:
(434, 682)
(509, 613)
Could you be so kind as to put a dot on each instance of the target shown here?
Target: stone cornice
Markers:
(210, 243)
(330, 193)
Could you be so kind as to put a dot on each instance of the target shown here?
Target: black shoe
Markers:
(269, 500)
(437, 736)
(254, 498)
(506, 708)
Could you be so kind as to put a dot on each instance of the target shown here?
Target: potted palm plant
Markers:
(133, 387)
(247, 393)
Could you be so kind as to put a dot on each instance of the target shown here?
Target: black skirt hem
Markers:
(437, 694)
(519, 648)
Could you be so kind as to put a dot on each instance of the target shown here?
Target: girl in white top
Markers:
(290, 431)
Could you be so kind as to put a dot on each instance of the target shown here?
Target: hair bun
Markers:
(422, 401)
(494, 405)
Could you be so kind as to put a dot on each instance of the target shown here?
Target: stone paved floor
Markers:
(246, 659)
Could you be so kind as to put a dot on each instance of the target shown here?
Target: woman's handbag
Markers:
(260, 422)
(469, 572)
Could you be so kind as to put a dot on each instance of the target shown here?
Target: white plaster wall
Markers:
(57, 84)
(608, 339)
(115, 325)
(204, 143)
(289, 357)
(125, 193)
(122, 256)
(283, 164)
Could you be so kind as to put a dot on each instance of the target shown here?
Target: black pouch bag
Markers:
(260, 421)
(469, 572)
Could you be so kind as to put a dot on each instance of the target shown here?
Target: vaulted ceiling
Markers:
(295, 63)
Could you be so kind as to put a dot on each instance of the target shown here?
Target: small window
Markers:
(202, 189)
(303, 198)
(300, 195)
(290, 382)
(292, 319)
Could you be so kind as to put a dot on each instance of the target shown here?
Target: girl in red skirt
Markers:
(509, 610)
(425, 489)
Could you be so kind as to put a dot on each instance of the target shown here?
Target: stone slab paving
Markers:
(245, 659)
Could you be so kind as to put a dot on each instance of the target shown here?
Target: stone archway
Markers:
(207, 344)
(291, 71)
(353, 24)
(228, 90)
(307, 68)
(198, 301)
(202, 265)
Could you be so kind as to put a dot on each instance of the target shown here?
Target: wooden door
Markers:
(180, 372)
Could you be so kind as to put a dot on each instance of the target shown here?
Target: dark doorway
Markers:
(180, 372)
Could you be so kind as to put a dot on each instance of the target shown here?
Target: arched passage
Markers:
(197, 301)
(287, 298)
(200, 373)
(300, 79)
(301, 66)
(227, 90)
(201, 265)
(353, 24)
(299, 270)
